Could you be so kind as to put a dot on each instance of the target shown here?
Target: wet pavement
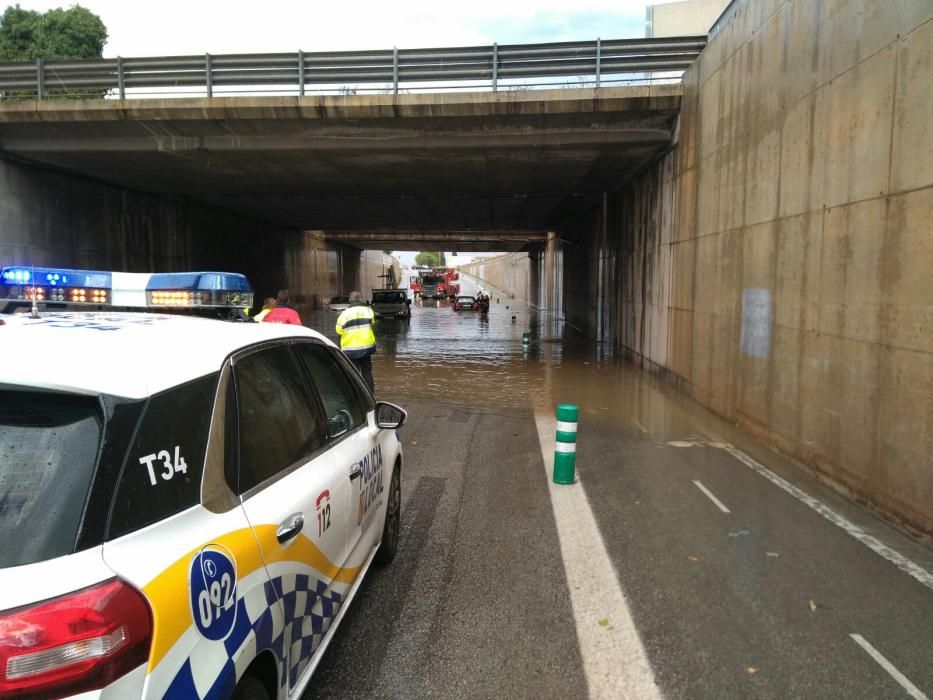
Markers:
(738, 585)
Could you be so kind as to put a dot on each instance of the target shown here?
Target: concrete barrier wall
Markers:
(374, 264)
(619, 270)
(777, 264)
(536, 278)
(47, 218)
(510, 273)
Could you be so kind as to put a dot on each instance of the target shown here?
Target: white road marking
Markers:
(911, 689)
(899, 560)
(711, 497)
(614, 659)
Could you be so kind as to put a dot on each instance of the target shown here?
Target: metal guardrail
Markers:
(499, 67)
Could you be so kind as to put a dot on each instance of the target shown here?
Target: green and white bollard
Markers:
(526, 338)
(565, 449)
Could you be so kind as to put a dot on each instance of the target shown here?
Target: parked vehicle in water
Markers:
(465, 303)
(391, 302)
(338, 303)
(432, 285)
(451, 282)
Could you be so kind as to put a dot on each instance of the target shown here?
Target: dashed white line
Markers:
(711, 497)
(614, 659)
(899, 560)
(911, 689)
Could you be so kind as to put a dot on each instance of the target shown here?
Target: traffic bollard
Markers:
(526, 338)
(565, 448)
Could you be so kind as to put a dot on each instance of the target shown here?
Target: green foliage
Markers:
(431, 259)
(26, 35)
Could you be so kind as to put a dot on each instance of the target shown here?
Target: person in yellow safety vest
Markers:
(357, 339)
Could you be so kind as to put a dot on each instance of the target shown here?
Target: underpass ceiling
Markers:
(468, 162)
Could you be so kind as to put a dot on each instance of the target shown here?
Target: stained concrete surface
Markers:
(476, 604)
(800, 175)
(525, 159)
(49, 218)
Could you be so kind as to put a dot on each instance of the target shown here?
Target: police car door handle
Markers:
(290, 527)
(356, 471)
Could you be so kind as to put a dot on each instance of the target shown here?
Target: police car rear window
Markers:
(162, 472)
(48, 452)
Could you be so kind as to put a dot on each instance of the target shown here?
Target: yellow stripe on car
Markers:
(168, 592)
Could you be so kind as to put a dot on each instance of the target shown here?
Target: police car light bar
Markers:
(131, 289)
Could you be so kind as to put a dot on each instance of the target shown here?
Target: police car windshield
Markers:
(48, 452)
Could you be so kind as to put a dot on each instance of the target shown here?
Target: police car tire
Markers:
(391, 530)
(251, 688)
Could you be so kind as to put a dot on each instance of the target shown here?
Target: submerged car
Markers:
(391, 303)
(338, 303)
(465, 303)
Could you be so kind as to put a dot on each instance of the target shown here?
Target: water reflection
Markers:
(479, 361)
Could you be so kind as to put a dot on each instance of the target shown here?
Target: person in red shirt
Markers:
(283, 313)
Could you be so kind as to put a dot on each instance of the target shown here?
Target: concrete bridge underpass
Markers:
(485, 162)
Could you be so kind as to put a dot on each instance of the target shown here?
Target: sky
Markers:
(174, 27)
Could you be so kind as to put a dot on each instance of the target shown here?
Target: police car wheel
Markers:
(251, 688)
(392, 527)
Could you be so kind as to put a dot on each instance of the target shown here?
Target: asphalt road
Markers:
(475, 604)
(768, 600)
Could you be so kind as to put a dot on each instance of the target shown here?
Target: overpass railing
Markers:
(497, 67)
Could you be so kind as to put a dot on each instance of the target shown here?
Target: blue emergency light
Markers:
(47, 284)
(97, 287)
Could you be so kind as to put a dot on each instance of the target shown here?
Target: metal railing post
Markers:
(121, 79)
(395, 69)
(599, 57)
(301, 73)
(40, 78)
(495, 66)
(208, 76)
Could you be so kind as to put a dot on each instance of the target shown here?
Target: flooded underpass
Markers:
(687, 560)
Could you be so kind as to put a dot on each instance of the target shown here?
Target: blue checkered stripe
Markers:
(310, 608)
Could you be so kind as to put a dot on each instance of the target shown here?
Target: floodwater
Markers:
(479, 361)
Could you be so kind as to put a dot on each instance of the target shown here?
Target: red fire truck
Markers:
(451, 282)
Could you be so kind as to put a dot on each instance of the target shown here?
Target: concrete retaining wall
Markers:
(536, 278)
(47, 218)
(510, 273)
(374, 264)
(778, 264)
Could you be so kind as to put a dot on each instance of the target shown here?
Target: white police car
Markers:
(187, 506)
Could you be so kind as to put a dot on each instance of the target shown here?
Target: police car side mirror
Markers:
(389, 416)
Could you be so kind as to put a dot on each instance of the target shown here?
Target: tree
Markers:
(431, 259)
(26, 35)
